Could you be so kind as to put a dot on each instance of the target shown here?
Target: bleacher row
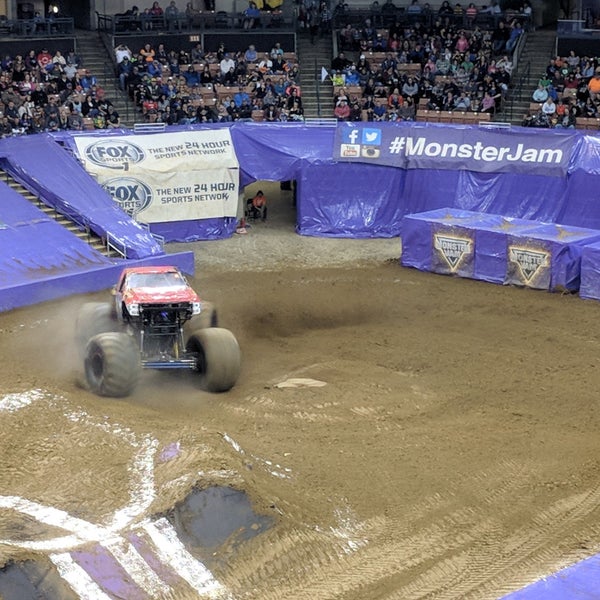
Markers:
(422, 112)
(212, 95)
(586, 123)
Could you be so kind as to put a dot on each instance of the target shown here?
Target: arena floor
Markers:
(452, 452)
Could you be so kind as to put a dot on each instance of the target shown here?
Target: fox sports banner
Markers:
(168, 176)
(483, 149)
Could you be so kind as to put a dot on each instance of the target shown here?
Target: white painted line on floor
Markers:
(77, 578)
(15, 402)
(172, 552)
(137, 568)
(82, 530)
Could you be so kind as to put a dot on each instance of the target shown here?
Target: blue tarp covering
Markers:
(367, 197)
(46, 169)
(33, 245)
(579, 582)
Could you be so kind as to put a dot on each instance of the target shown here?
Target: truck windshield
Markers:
(170, 279)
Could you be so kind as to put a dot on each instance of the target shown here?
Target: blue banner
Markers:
(486, 150)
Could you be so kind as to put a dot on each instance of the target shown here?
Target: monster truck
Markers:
(156, 321)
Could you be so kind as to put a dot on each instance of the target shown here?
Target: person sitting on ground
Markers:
(257, 206)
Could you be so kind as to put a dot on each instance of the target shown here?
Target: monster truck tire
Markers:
(94, 318)
(112, 364)
(207, 318)
(218, 358)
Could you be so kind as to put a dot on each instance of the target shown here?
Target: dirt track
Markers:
(452, 453)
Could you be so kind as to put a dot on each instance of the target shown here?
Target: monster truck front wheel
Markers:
(218, 358)
(207, 318)
(112, 364)
(94, 318)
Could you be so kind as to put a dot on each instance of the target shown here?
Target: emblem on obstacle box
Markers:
(452, 249)
(530, 263)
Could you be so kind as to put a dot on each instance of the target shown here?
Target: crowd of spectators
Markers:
(180, 86)
(567, 92)
(438, 67)
(428, 63)
(44, 91)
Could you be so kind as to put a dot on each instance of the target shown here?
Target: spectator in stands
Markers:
(516, 29)
(414, 8)
(548, 107)
(540, 94)
(251, 16)
(341, 62)
(241, 96)
(488, 103)
(594, 86)
(5, 127)
(410, 89)
(125, 69)
(88, 80)
(342, 110)
(324, 19)
(89, 107)
(44, 60)
(500, 37)
(265, 66)
(156, 10)
(276, 51)
(388, 8)
(172, 16)
(251, 55)
(196, 55)
(226, 65)
(147, 53)
(74, 119)
(463, 102)
(121, 51)
(59, 62)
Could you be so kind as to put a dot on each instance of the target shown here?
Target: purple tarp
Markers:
(367, 197)
(496, 248)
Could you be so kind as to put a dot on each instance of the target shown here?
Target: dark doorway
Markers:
(78, 9)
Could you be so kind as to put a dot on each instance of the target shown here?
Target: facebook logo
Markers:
(371, 137)
(350, 136)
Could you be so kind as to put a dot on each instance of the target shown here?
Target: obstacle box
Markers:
(440, 241)
(459, 242)
(491, 245)
(496, 249)
(590, 272)
(548, 257)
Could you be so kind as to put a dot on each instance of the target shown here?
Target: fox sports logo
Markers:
(114, 154)
(132, 195)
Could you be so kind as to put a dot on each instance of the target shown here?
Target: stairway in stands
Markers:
(82, 232)
(539, 48)
(98, 60)
(311, 58)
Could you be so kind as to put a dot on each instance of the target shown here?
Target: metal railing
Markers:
(115, 245)
(57, 27)
(200, 21)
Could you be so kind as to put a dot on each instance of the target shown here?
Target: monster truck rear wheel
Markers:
(94, 318)
(218, 358)
(112, 364)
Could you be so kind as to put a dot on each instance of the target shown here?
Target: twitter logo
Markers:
(371, 137)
